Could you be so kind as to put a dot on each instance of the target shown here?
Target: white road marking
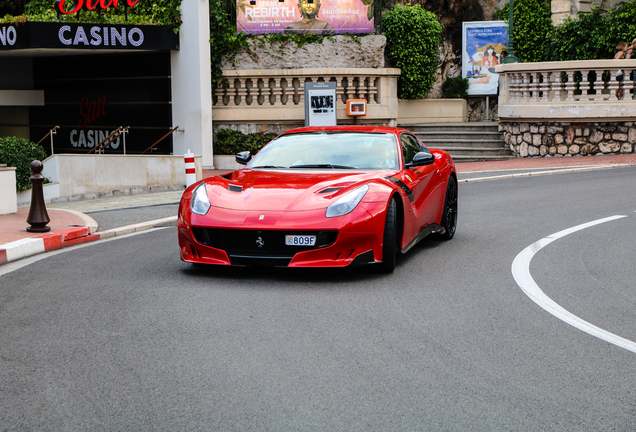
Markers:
(521, 273)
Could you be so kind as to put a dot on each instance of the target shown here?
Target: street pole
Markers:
(511, 58)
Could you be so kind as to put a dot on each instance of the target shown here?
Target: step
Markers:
(463, 151)
(465, 142)
(455, 127)
(457, 159)
(477, 136)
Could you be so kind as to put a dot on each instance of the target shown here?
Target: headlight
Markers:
(347, 203)
(200, 203)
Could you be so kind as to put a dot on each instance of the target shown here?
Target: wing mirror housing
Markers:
(421, 159)
(243, 157)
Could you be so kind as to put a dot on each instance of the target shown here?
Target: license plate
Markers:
(300, 240)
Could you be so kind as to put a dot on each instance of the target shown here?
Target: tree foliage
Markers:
(594, 35)
(532, 28)
(164, 12)
(414, 36)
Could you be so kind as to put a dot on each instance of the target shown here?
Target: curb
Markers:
(28, 247)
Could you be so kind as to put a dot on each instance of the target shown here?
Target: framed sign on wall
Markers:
(483, 45)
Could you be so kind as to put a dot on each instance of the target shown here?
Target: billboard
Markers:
(482, 46)
(323, 17)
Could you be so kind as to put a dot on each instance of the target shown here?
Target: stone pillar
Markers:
(191, 86)
(561, 9)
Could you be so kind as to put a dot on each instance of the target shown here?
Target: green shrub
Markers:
(19, 153)
(455, 87)
(533, 28)
(231, 142)
(413, 37)
(594, 35)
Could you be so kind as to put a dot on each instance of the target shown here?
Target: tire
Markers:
(449, 217)
(389, 240)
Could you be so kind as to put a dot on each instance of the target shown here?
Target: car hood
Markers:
(296, 190)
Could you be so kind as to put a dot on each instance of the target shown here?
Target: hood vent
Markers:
(234, 188)
(330, 190)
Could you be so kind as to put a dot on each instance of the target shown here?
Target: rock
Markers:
(543, 150)
(588, 149)
(619, 136)
(562, 149)
(334, 52)
(523, 149)
(609, 146)
(596, 137)
(527, 137)
(574, 149)
(558, 138)
(536, 139)
(626, 148)
(569, 136)
(631, 135)
(533, 151)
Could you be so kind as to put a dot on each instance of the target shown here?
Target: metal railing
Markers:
(160, 139)
(99, 148)
(51, 133)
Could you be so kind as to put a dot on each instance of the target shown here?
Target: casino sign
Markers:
(60, 35)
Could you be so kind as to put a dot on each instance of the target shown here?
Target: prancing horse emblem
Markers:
(259, 242)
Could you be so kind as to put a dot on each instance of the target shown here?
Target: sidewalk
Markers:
(70, 225)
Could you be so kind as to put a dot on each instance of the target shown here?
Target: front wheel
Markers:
(449, 217)
(389, 240)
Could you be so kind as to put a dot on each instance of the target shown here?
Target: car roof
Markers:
(348, 128)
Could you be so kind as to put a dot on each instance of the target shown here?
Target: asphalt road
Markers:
(122, 335)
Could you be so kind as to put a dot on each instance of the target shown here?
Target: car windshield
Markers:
(329, 150)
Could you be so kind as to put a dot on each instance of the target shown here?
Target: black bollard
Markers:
(38, 217)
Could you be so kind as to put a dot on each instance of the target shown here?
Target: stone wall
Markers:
(543, 139)
(333, 52)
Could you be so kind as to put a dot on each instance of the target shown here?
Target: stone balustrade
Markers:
(277, 95)
(571, 108)
(578, 90)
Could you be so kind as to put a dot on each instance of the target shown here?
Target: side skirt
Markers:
(431, 229)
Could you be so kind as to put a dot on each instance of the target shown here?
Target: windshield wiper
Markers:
(269, 166)
(324, 166)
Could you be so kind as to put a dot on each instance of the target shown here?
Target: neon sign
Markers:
(90, 5)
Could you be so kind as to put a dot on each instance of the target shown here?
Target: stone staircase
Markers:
(466, 142)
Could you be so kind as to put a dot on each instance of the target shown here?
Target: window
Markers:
(410, 147)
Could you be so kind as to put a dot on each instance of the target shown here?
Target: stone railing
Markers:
(572, 108)
(578, 90)
(277, 95)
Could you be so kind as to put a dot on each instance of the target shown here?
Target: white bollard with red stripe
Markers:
(191, 175)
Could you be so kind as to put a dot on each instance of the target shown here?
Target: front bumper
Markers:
(355, 238)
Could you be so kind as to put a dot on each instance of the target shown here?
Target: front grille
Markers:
(246, 243)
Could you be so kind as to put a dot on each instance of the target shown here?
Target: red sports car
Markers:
(322, 197)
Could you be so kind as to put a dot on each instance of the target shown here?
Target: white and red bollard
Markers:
(191, 174)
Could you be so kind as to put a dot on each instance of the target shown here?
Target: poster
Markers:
(482, 46)
(320, 104)
(324, 17)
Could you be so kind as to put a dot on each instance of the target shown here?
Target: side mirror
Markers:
(243, 157)
(421, 159)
